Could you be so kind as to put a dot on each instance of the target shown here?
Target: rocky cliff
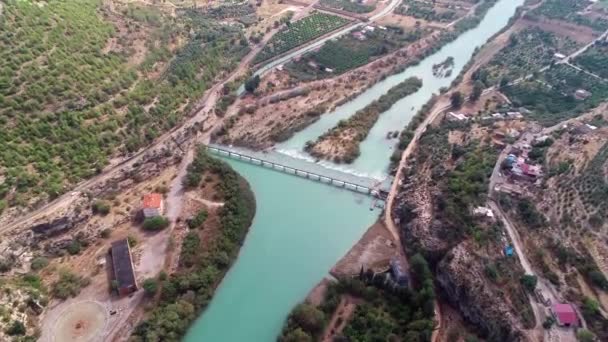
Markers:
(461, 279)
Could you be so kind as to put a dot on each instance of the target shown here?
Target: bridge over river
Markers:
(303, 168)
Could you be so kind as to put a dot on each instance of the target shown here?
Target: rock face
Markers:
(461, 279)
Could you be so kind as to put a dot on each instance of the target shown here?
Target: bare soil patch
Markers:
(82, 321)
(375, 249)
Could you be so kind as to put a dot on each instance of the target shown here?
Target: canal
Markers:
(302, 228)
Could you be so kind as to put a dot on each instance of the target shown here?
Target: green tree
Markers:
(297, 335)
(477, 90)
(155, 223)
(529, 282)
(456, 99)
(74, 247)
(585, 335)
(150, 286)
(17, 328)
(101, 207)
(252, 83)
(309, 318)
(39, 263)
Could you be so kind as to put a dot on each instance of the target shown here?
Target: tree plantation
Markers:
(74, 90)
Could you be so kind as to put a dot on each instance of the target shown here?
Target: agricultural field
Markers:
(300, 32)
(67, 106)
(349, 52)
(349, 6)
(595, 59)
(527, 51)
(427, 11)
(574, 11)
(551, 98)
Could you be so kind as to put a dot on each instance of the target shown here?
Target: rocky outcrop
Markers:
(461, 279)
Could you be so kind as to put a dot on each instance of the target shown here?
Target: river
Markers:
(302, 228)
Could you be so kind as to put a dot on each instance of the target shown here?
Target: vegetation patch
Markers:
(527, 52)
(341, 143)
(348, 5)
(568, 10)
(386, 313)
(425, 10)
(595, 59)
(300, 32)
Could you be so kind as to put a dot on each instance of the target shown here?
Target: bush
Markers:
(198, 220)
(68, 285)
(17, 328)
(105, 233)
(39, 263)
(529, 282)
(101, 207)
(150, 286)
(74, 247)
(155, 223)
(585, 335)
(252, 84)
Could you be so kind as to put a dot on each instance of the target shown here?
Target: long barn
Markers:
(123, 267)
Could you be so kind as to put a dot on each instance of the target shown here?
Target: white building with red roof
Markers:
(153, 205)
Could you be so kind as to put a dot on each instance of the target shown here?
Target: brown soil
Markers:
(375, 249)
(581, 34)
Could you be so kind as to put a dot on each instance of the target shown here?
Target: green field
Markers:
(300, 32)
(66, 105)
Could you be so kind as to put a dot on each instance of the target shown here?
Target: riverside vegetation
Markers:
(68, 105)
(386, 313)
(341, 143)
(184, 294)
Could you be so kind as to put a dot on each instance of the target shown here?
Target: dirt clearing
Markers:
(82, 321)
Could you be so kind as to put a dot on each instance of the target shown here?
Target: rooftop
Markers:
(121, 261)
(565, 313)
(153, 200)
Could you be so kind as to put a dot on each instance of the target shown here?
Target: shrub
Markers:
(39, 263)
(17, 328)
(529, 282)
(74, 247)
(155, 223)
(68, 285)
(105, 233)
(101, 207)
(198, 220)
(150, 286)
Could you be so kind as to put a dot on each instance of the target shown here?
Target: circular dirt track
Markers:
(81, 322)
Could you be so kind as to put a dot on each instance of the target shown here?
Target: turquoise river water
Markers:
(302, 228)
